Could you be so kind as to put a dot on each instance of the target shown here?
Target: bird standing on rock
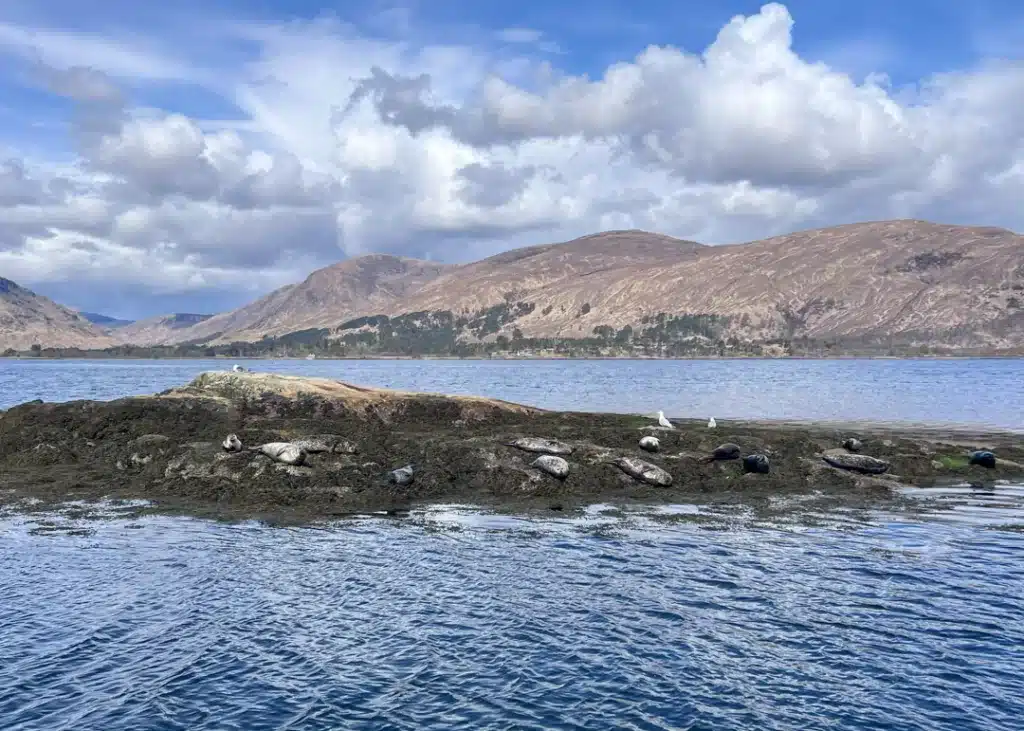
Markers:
(711, 423)
(662, 421)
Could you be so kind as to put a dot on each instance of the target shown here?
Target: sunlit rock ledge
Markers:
(268, 445)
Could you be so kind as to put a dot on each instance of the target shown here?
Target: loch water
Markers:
(686, 617)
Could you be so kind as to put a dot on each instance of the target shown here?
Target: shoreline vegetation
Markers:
(292, 449)
(494, 333)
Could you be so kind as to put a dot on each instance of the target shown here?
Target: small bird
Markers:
(662, 421)
(711, 423)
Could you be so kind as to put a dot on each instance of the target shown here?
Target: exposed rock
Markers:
(552, 465)
(643, 471)
(756, 464)
(283, 452)
(323, 443)
(983, 458)
(650, 444)
(543, 446)
(856, 462)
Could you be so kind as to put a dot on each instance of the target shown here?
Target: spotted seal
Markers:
(856, 462)
(552, 465)
(232, 443)
(543, 446)
(283, 452)
(403, 476)
(643, 471)
(650, 444)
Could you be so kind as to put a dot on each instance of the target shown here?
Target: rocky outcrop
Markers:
(259, 444)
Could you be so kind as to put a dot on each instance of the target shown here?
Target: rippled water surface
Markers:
(459, 621)
(680, 618)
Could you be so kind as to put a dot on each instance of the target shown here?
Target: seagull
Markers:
(711, 423)
(662, 421)
(237, 368)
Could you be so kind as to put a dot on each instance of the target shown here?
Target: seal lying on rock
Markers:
(232, 443)
(855, 462)
(403, 476)
(552, 465)
(757, 464)
(724, 452)
(852, 445)
(543, 446)
(650, 444)
(283, 452)
(982, 458)
(643, 471)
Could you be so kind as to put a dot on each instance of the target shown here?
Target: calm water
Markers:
(965, 391)
(451, 619)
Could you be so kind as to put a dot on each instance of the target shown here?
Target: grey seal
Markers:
(650, 444)
(724, 452)
(643, 471)
(757, 464)
(232, 443)
(283, 452)
(403, 476)
(982, 458)
(552, 465)
(543, 446)
(852, 445)
(856, 462)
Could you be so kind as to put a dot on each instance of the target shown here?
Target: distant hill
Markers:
(28, 319)
(105, 321)
(366, 284)
(159, 330)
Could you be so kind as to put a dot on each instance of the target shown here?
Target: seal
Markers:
(712, 424)
(643, 471)
(232, 443)
(855, 462)
(982, 458)
(237, 368)
(852, 445)
(552, 465)
(664, 422)
(543, 446)
(650, 444)
(724, 452)
(283, 452)
(757, 464)
(403, 476)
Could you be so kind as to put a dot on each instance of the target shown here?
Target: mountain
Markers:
(365, 285)
(105, 321)
(159, 330)
(912, 281)
(901, 282)
(28, 319)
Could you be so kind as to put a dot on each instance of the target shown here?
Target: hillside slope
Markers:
(27, 319)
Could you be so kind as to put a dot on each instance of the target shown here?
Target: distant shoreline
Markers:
(85, 356)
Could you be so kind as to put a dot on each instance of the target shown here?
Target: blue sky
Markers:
(225, 88)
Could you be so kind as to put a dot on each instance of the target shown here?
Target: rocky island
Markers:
(287, 448)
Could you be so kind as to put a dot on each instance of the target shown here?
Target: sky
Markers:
(192, 156)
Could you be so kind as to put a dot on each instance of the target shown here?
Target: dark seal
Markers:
(983, 458)
(757, 464)
(724, 452)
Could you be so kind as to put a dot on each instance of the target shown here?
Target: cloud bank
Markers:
(347, 144)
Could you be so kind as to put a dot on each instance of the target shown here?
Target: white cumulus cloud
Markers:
(347, 144)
